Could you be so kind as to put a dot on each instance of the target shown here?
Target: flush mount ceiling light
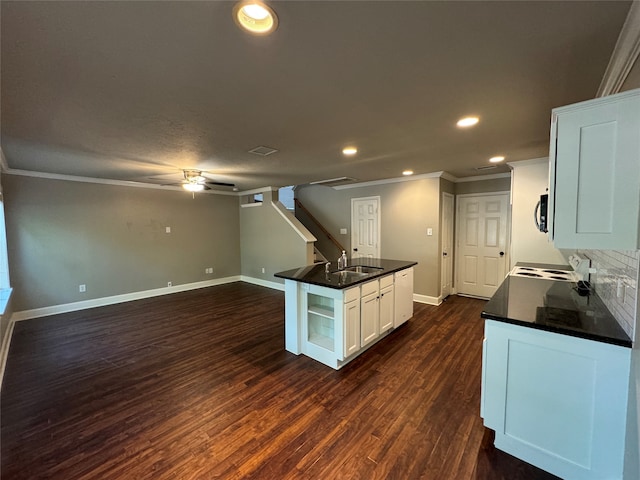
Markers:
(467, 122)
(255, 17)
(408, 172)
(496, 159)
(349, 150)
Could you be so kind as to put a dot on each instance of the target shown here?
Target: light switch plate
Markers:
(343, 231)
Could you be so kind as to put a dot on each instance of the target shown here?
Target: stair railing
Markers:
(319, 225)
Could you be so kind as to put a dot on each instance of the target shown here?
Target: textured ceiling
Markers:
(134, 90)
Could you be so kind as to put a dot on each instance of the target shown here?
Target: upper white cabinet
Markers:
(594, 179)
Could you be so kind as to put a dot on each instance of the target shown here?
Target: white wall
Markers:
(530, 179)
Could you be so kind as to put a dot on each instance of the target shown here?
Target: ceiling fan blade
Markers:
(221, 184)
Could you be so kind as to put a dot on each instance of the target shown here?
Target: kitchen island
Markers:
(555, 378)
(334, 315)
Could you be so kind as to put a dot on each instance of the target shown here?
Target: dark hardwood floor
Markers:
(197, 385)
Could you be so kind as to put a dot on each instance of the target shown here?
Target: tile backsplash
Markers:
(614, 268)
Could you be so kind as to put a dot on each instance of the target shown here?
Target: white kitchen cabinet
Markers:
(556, 401)
(369, 312)
(403, 296)
(351, 318)
(386, 303)
(334, 326)
(594, 176)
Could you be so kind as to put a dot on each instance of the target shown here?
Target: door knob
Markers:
(444, 254)
(355, 249)
(502, 254)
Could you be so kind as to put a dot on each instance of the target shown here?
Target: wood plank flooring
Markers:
(197, 385)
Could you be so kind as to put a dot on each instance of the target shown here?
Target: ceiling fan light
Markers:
(193, 187)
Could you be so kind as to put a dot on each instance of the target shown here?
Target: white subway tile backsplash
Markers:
(613, 267)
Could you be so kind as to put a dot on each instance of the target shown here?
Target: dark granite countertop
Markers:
(554, 306)
(316, 274)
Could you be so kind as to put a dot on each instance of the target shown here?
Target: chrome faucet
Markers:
(327, 266)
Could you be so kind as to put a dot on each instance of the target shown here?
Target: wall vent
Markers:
(263, 151)
(334, 182)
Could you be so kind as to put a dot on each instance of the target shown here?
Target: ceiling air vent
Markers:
(486, 167)
(263, 151)
(334, 182)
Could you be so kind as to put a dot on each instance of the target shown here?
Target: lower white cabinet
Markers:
(403, 296)
(369, 313)
(556, 401)
(351, 319)
(386, 307)
(333, 326)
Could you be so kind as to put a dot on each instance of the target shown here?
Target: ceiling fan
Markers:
(194, 181)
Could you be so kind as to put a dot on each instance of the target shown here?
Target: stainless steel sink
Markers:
(356, 271)
(349, 274)
(363, 269)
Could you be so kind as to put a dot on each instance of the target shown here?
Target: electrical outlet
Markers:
(169, 284)
(82, 288)
(208, 270)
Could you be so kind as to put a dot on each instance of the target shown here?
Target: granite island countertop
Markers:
(316, 274)
(554, 306)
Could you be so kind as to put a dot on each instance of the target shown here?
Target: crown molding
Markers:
(408, 178)
(119, 183)
(625, 54)
(533, 161)
(483, 177)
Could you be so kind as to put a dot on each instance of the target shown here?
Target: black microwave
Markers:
(540, 213)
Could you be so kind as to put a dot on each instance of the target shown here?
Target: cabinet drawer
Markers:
(369, 287)
(386, 281)
(351, 294)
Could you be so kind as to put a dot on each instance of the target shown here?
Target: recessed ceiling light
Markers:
(349, 150)
(255, 17)
(496, 159)
(408, 172)
(467, 122)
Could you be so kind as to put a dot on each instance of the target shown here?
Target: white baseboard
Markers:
(262, 283)
(126, 297)
(427, 299)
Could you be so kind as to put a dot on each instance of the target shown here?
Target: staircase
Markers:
(331, 249)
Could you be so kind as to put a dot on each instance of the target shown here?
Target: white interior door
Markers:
(365, 227)
(447, 245)
(482, 244)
